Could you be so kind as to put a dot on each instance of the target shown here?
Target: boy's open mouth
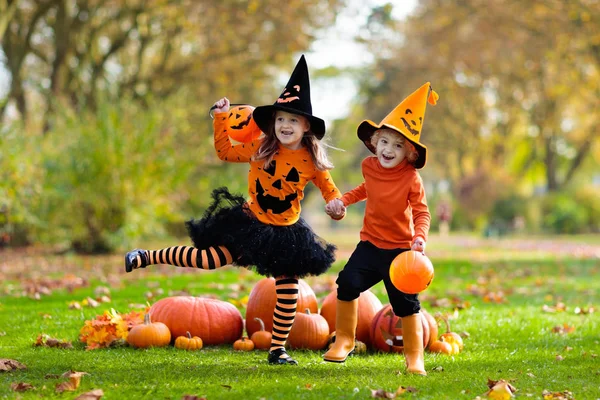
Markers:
(387, 158)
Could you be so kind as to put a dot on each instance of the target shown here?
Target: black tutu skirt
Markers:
(293, 250)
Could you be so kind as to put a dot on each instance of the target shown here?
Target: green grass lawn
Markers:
(510, 339)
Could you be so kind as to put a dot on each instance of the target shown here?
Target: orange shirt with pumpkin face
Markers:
(396, 210)
(274, 192)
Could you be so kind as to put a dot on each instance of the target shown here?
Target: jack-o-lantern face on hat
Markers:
(288, 96)
(277, 192)
(413, 127)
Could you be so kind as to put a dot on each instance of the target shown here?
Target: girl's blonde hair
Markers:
(411, 152)
(270, 146)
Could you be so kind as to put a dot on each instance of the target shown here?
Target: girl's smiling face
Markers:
(391, 148)
(290, 129)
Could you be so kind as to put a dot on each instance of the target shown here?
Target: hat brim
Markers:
(367, 128)
(263, 115)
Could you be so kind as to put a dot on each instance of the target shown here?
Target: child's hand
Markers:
(418, 244)
(335, 209)
(221, 105)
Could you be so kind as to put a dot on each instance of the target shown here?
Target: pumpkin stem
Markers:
(147, 319)
(307, 311)
(439, 316)
(260, 321)
(188, 334)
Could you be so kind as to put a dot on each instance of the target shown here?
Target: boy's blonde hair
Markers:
(411, 152)
(270, 145)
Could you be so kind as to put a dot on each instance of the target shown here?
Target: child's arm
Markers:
(420, 212)
(225, 150)
(355, 195)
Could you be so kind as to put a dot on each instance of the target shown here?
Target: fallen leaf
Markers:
(563, 329)
(500, 390)
(93, 395)
(7, 364)
(21, 386)
(45, 340)
(72, 383)
(227, 386)
(559, 357)
(564, 395)
(192, 397)
(382, 394)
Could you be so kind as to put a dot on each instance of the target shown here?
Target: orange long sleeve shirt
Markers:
(274, 192)
(396, 210)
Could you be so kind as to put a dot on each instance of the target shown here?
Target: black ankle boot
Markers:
(131, 261)
(279, 356)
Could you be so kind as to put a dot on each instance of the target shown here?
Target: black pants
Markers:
(367, 266)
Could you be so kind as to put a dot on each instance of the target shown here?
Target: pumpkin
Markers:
(262, 299)
(214, 321)
(368, 306)
(149, 334)
(240, 124)
(451, 337)
(441, 346)
(411, 272)
(243, 344)
(433, 327)
(261, 338)
(309, 331)
(359, 347)
(188, 342)
(386, 331)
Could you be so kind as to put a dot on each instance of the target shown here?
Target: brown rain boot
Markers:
(412, 333)
(345, 329)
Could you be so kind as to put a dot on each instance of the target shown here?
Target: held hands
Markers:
(222, 105)
(418, 244)
(335, 209)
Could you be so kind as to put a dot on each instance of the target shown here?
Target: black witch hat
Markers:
(295, 99)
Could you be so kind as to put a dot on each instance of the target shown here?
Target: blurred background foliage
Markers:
(105, 137)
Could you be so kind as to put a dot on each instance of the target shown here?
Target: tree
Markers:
(79, 50)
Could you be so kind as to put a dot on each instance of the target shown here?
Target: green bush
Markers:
(561, 213)
(110, 178)
(20, 184)
(588, 199)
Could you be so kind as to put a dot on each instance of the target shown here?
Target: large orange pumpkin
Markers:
(368, 306)
(310, 331)
(386, 331)
(263, 297)
(212, 320)
(240, 124)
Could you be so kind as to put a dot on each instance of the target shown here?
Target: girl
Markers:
(265, 231)
(396, 219)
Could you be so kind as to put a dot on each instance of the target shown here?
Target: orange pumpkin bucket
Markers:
(411, 272)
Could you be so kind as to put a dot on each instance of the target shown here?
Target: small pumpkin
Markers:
(149, 334)
(243, 344)
(262, 300)
(451, 337)
(188, 342)
(359, 347)
(441, 346)
(310, 331)
(261, 338)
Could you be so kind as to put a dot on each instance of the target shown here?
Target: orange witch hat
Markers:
(407, 119)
